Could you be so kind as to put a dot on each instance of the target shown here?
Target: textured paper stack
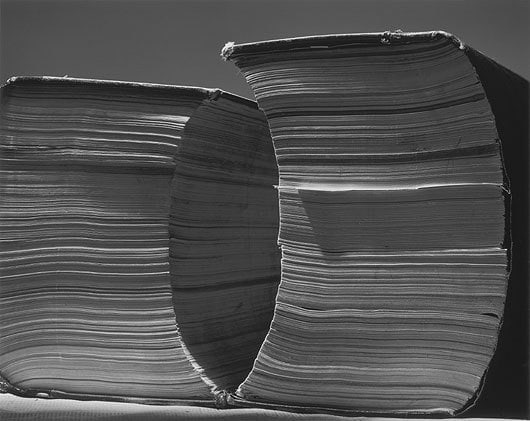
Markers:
(87, 184)
(392, 223)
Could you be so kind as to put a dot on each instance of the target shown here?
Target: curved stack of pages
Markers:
(225, 261)
(392, 223)
(86, 176)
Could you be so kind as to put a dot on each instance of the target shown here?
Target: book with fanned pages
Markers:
(394, 219)
(352, 243)
(138, 242)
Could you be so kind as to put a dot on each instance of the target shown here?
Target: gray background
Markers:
(178, 42)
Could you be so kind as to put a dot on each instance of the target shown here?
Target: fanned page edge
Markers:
(232, 51)
(220, 395)
(204, 95)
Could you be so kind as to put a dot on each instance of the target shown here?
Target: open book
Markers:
(122, 207)
(394, 211)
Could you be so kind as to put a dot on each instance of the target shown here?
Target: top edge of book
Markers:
(198, 92)
(397, 37)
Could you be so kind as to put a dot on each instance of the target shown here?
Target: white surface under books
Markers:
(15, 408)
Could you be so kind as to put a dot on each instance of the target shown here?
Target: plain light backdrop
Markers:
(178, 42)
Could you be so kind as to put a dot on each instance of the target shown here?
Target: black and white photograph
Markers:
(264, 210)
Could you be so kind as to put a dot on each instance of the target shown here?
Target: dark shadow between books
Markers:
(506, 387)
